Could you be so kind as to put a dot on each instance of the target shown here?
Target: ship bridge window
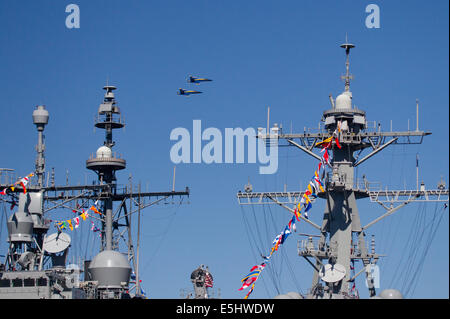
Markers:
(29, 282)
(17, 283)
(5, 283)
(42, 282)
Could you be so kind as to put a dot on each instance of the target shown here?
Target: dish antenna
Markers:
(332, 273)
(56, 243)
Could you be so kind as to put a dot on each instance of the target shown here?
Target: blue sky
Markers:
(284, 55)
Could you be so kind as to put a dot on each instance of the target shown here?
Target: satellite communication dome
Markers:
(391, 294)
(110, 268)
(344, 101)
(289, 295)
(104, 152)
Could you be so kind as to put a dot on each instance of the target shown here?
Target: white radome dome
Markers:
(104, 152)
(344, 101)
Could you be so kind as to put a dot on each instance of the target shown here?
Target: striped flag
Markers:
(209, 280)
(326, 142)
(292, 224)
(247, 283)
(250, 291)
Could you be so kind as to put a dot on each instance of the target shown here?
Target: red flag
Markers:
(23, 186)
(337, 142)
(208, 280)
(94, 209)
(248, 283)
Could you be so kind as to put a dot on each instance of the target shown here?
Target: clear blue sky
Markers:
(284, 54)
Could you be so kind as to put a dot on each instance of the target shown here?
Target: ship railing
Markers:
(7, 176)
(115, 155)
(114, 118)
(363, 185)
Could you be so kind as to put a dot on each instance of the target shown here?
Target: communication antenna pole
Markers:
(333, 255)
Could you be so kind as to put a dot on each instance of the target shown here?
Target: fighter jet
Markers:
(187, 92)
(193, 79)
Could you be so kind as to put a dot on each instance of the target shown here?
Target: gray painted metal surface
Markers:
(36, 263)
(334, 251)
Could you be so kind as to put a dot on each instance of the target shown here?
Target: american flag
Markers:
(208, 280)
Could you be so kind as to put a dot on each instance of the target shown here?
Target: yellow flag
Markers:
(328, 140)
(70, 224)
(94, 209)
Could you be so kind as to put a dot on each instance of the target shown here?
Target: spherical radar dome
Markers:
(344, 101)
(104, 152)
(391, 294)
(110, 268)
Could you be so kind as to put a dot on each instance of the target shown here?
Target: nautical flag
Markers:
(83, 215)
(143, 292)
(70, 224)
(307, 207)
(24, 181)
(254, 273)
(275, 247)
(4, 191)
(94, 209)
(317, 182)
(325, 141)
(297, 212)
(248, 282)
(311, 189)
(23, 186)
(259, 267)
(292, 224)
(277, 239)
(305, 198)
(312, 186)
(326, 158)
(95, 229)
(208, 280)
(337, 142)
(250, 291)
(77, 222)
(285, 234)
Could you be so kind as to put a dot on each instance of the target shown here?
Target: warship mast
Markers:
(34, 254)
(105, 164)
(334, 252)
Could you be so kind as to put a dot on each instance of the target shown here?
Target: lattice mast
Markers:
(341, 218)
